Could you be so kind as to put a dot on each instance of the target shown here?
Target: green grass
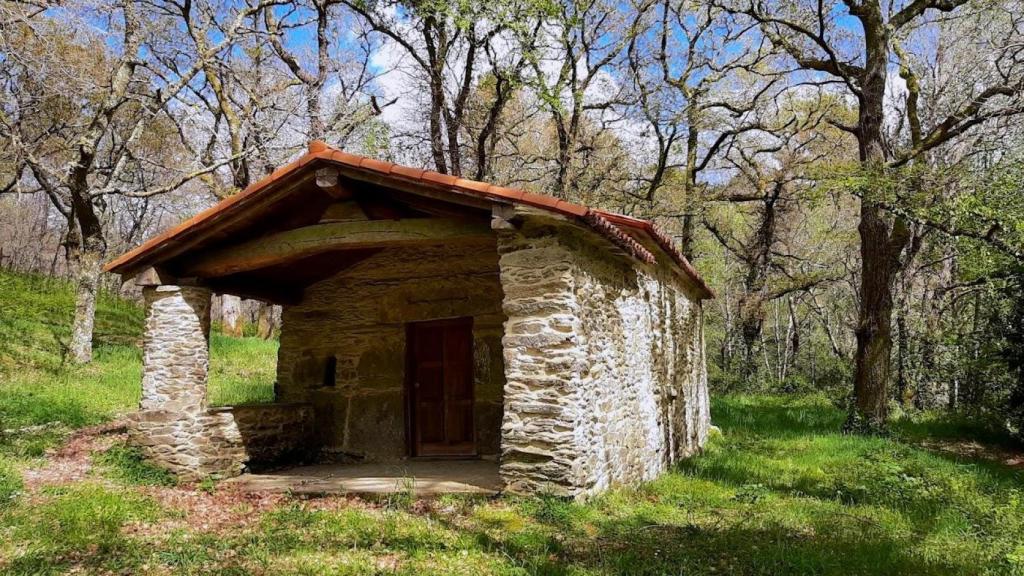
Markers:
(83, 526)
(35, 323)
(39, 387)
(10, 483)
(781, 491)
(126, 465)
(242, 370)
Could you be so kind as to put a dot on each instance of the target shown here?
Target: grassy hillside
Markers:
(780, 491)
(38, 387)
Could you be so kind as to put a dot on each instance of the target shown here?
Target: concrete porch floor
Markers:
(422, 477)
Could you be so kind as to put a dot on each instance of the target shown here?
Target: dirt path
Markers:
(72, 462)
(224, 507)
(975, 450)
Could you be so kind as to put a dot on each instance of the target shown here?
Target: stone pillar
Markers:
(543, 361)
(176, 351)
(173, 425)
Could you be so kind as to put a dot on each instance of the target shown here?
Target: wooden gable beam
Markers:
(294, 244)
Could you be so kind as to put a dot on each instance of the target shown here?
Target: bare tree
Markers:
(774, 175)
(79, 155)
(696, 94)
(337, 81)
(582, 44)
(451, 46)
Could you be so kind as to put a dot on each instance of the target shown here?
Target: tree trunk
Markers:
(566, 143)
(751, 321)
(87, 266)
(690, 201)
(874, 329)
(902, 387)
(881, 241)
(317, 128)
(231, 315)
(86, 247)
(265, 322)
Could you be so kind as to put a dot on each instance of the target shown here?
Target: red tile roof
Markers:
(608, 224)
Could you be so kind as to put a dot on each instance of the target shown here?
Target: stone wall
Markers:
(359, 319)
(606, 381)
(172, 425)
(271, 434)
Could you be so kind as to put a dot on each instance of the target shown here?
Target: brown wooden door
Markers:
(440, 380)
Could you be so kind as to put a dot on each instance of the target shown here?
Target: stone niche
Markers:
(343, 347)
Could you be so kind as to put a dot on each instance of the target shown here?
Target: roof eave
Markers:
(142, 256)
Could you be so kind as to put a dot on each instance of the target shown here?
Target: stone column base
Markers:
(191, 447)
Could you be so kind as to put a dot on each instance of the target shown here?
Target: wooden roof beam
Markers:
(299, 243)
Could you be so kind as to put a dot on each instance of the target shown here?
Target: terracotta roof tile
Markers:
(603, 222)
(570, 208)
(618, 237)
(341, 157)
(473, 185)
(507, 193)
(438, 178)
(376, 165)
(406, 172)
(539, 200)
(665, 243)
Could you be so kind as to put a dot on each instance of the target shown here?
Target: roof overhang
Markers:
(619, 229)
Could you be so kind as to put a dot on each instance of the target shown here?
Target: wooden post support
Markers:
(154, 277)
(503, 217)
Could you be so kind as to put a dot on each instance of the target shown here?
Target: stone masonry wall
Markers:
(606, 381)
(589, 368)
(359, 318)
(543, 364)
(173, 426)
(272, 434)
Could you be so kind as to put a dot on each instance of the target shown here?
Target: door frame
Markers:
(409, 388)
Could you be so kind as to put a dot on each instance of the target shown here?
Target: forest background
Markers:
(847, 175)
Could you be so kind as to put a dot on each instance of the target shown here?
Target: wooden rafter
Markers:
(309, 240)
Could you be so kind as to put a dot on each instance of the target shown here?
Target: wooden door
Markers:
(440, 388)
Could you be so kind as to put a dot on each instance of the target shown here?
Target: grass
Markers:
(780, 491)
(10, 483)
(82, 526)
(126, 465)
(242, 370)
(38, 387)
